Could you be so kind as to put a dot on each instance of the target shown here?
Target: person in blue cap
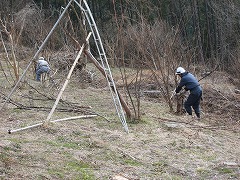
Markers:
(190, 83)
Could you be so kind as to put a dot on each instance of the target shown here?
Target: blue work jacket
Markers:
(189, 82)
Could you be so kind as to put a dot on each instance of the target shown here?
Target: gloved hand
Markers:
(173, 94)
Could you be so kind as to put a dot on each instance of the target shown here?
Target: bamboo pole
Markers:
(75, 117)
(57, 120)
(67, 80)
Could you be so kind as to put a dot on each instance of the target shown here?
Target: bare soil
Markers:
(162, 145)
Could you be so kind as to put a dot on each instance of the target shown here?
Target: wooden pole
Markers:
(66, 82)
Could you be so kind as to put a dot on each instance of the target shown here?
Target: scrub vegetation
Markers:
(145, 41)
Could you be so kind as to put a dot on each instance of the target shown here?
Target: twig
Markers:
(53, 99)
(230, 102)
(11, 101)
(209, 127)
(72, 109)
(209, 73)
(221, 94)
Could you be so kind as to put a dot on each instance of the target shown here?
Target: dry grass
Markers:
(160, 146)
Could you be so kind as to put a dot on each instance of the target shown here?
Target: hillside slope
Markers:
(160, 146)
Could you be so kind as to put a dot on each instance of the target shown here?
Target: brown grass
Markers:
(160, 146)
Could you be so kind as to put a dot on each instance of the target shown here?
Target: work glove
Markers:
(173, 94)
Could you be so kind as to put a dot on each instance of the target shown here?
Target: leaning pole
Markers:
(35, 56)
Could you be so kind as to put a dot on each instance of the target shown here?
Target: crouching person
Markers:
(42, 67)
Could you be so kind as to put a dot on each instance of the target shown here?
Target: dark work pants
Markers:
(42, 69)
(193, 101)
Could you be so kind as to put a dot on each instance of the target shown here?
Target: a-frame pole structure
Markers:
(103, 58)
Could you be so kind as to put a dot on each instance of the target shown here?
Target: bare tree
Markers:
(153, 51)
(12, 60)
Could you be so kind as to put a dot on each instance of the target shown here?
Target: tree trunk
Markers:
(198, 32)
(100, 68)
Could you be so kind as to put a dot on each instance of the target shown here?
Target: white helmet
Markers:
(180, 70)
(41, 58)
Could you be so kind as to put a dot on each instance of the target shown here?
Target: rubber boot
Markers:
(198, 116)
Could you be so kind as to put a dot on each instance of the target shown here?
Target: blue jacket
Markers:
(190, 83)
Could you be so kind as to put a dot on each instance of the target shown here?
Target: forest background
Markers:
(202, 36)
(204, 32)
(145, 41)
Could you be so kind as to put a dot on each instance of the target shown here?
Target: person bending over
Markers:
(189, 82)
(42, 67)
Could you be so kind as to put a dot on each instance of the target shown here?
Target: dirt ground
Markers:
(160, 146)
